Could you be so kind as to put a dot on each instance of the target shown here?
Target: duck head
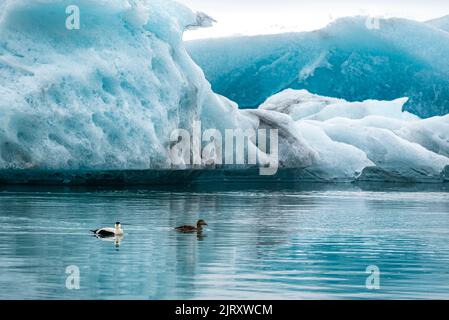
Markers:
(200, 224)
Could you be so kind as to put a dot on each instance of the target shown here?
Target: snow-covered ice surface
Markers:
(352, 58)
(106, 98)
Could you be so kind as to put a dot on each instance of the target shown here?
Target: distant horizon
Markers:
(264, 17)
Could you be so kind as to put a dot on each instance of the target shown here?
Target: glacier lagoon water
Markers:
(279, 241)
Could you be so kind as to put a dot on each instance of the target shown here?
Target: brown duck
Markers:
(192, 229)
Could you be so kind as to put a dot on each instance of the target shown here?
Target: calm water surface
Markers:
(292, 243)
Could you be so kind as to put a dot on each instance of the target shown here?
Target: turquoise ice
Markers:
(355, 58)
(108, 95)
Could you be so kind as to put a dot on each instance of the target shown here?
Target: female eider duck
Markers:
(109, 232)
(191, 229)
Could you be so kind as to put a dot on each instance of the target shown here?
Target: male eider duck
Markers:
(109, 232)
(191, 229)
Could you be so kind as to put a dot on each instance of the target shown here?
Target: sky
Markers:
(252, 17)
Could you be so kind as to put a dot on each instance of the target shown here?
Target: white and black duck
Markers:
(109, 232)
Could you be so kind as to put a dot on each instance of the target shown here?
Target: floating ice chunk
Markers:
(350, 137)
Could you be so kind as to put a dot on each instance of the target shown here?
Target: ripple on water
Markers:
(284, 244)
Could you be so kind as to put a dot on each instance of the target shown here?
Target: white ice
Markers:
(351, 136)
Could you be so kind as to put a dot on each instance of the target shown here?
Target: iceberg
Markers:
(372, 140)
(352, 59)
(99, 103)
(105, 96)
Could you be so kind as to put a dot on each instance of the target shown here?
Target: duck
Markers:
(109, 232)
(192, 229)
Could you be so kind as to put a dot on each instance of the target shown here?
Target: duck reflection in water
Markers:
(116, 239)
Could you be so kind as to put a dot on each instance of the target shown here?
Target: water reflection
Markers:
(115, 239)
